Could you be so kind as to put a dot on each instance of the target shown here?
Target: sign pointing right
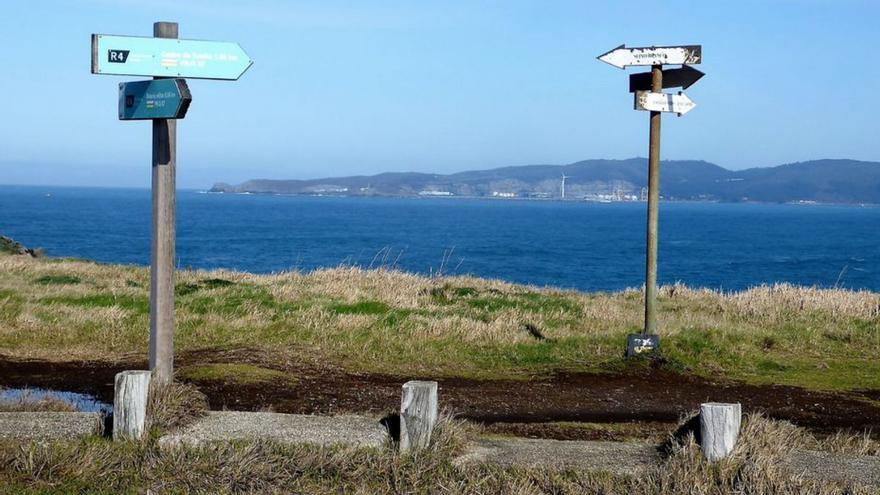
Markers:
(167, 57)
(664, 102)
(672, 78)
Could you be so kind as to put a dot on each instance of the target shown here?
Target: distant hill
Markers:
(824, 181)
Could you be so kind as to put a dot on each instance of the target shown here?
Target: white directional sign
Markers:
(664, 102)
(622, 56)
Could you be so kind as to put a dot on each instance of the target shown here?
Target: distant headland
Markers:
(818, 181)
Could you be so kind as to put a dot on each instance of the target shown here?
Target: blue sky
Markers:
(340, 88)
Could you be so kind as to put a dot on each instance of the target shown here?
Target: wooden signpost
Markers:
(163, 100)
(647, 88)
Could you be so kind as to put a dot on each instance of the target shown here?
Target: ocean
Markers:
(586, 246)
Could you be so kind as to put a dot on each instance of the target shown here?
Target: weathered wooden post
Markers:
(418, 414)
(719, 429)
(163, 237)
(131, 393)
(650, 327)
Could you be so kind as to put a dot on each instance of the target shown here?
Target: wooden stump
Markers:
(418, 414)
(719, 429)
(131, 392)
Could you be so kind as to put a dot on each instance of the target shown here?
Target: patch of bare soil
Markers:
(647, 396)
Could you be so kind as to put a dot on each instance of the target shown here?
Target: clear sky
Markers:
(362, 87)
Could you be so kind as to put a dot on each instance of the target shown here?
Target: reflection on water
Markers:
(80, 402)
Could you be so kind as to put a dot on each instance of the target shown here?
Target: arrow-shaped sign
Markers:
(167, 57)
(155, 99)
(664, 102)
(622, 56)
(672, 78)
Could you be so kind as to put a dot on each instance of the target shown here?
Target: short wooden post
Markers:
(131, 392)
(418, 414)
(719, 429)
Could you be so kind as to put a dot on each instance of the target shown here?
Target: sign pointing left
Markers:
(622, 56)
(167, 57)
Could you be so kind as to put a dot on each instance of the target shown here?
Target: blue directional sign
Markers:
(167, 57)
(156, 99)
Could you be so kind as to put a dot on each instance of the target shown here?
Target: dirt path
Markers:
(645, 396)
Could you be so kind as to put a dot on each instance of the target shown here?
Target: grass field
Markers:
(398, 323)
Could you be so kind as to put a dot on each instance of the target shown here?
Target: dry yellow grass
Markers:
(756, 466)
(389, 321)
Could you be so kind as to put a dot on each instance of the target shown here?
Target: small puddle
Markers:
(12, 397)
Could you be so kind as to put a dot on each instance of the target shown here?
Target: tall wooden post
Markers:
(163, 237)
(653, 205)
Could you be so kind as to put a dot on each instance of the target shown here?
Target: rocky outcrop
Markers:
(11, 246)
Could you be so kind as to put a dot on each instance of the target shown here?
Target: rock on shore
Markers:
(11, 246)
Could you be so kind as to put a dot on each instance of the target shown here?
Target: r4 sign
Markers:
(117, 56)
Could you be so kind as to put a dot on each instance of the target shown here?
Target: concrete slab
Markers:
(842, 468)
(50, 425)
(613, 457)
(359, 431)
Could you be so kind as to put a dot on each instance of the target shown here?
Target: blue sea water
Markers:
(80, 402)
(586, 246)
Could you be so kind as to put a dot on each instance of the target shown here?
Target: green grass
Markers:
(57, 280)
(11, 304)
(388, 322)
(360, 308)
(233, 300)
(137, 304)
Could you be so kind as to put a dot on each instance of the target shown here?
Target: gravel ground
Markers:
(352, 430)
(50, 425)
(632, 457)
(864, 470)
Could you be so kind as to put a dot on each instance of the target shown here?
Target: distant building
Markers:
(498, 194)
(435, 193)
(328, 189)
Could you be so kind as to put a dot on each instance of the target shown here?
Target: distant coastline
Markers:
(527, 199)
(830, 181)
